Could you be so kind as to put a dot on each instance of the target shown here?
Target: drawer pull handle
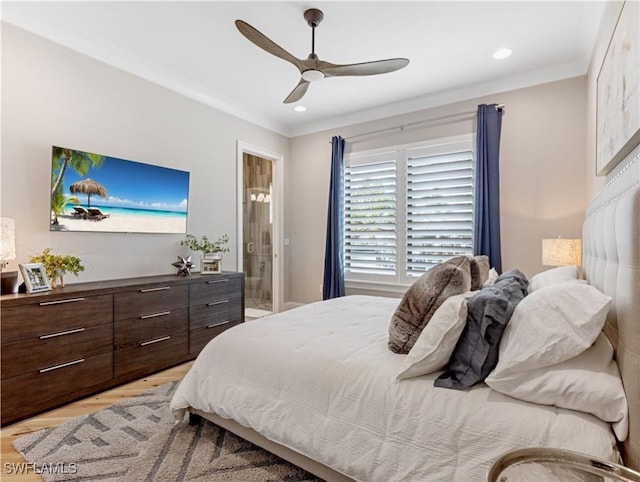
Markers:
(157, 340)
(62, 365)
(149, 290)
(61, 333)
(213, 303)
(162, 313)
(217, 281)
(213, 325)
(59, 302)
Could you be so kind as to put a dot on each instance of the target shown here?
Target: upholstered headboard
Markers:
(611, 262)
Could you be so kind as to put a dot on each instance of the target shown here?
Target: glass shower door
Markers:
(258, 235)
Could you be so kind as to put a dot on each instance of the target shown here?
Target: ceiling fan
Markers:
(312, 68)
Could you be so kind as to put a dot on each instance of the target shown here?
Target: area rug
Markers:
(137, 440)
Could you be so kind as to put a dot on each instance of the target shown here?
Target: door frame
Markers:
(278, 215)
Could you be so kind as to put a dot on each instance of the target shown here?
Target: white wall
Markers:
(54, 96)
(542, 166)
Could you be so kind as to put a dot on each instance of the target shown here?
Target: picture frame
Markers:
(35, 277)
(211, 263)
(618, 92)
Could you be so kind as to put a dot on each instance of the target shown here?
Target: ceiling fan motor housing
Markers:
(313, 16)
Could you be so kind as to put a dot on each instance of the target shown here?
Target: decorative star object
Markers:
(184, 265)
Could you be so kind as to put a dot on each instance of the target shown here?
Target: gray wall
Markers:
(54, 96)
(542, 176)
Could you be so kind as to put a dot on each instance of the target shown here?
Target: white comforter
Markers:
(320, 380)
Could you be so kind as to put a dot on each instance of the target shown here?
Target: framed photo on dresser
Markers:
(35, 277)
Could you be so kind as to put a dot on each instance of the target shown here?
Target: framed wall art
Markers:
(618, 92)
(35, 277)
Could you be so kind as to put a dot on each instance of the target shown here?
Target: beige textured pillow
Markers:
(424, 297)
(479, 267)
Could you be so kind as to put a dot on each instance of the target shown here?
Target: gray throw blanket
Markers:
(488, 313)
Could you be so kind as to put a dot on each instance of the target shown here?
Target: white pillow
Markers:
(434, 346)
(553, 276)
(589, 382)
(551, 325)
(491, 278)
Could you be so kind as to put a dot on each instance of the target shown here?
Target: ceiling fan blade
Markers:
(364, 68)
(265, 43)
(298, 92)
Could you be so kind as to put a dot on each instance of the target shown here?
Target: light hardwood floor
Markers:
(82, 407)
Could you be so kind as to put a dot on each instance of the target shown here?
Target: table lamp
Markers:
(8, 253)
(562, 252)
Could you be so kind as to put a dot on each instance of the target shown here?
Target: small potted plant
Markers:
(211, 259)
(57, 265)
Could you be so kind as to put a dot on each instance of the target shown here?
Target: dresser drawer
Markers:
(34, 320)
(32, 354)
(218, 310)
(218, 288)
(205, 315)
(54, 383)
(157, 325)
(200, 336)
(150, 300)
(152, 354)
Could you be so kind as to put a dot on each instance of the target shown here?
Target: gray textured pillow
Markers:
(423, 298)
(479, 266)
(488, 313)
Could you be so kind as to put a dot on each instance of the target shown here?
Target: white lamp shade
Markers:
(562, 252)
(7, 239)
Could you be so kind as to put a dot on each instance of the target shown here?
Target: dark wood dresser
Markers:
(83, 338)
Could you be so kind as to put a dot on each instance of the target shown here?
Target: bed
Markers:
(318, 385)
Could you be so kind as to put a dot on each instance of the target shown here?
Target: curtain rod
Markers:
(417, 123)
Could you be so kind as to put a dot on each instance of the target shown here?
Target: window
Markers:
(407, 209)
(370, 216)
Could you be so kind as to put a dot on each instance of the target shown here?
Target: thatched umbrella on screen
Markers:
(88, 186)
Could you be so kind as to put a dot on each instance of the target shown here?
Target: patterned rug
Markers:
(137, 440)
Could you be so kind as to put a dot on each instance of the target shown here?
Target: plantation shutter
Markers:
(439, 208)
(370, 216)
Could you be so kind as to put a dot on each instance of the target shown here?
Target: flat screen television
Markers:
(94, 192)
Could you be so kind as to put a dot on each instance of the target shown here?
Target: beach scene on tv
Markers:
(94, 192)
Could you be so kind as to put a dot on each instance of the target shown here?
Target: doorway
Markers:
(258, 232)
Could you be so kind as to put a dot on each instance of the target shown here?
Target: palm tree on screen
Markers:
(63, 158)
(79, 161)
(59, 200)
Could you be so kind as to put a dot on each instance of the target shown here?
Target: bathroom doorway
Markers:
(258, 233)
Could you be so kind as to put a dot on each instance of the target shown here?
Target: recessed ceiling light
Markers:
(299, 108)
(502, 53)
